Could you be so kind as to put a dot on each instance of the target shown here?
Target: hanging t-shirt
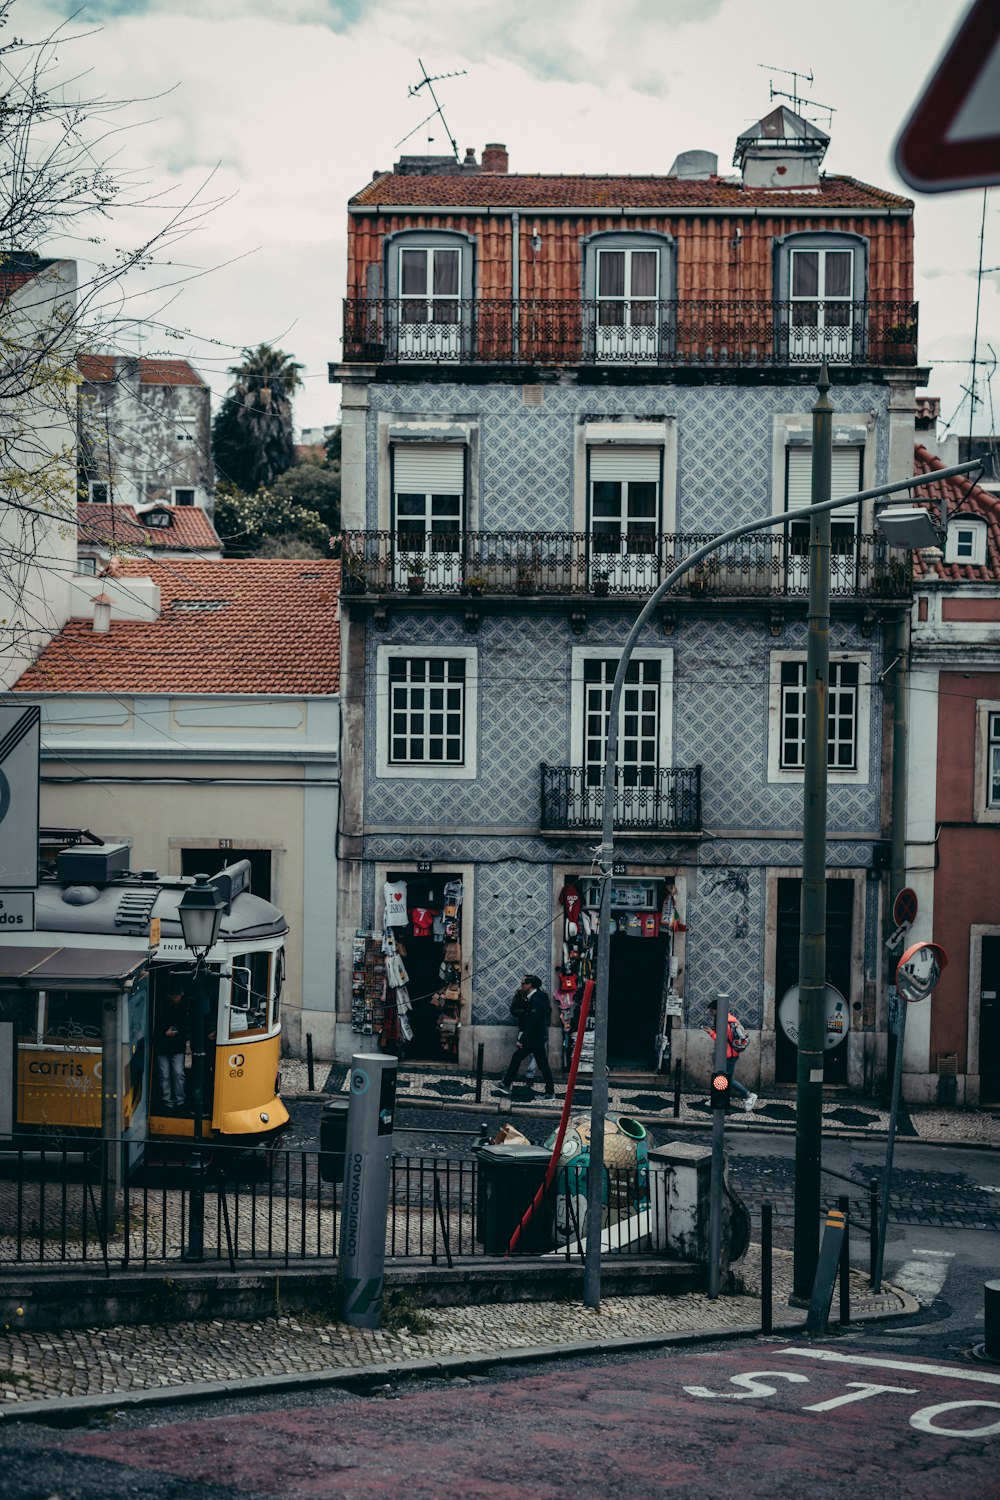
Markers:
(422, 920)
(395, 904)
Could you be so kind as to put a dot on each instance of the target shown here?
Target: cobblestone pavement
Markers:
(101, 1362)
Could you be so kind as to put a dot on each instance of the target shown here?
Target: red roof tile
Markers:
(273, 628)
(101, 367)
(497, 189)
(120, 526)
(962, 501)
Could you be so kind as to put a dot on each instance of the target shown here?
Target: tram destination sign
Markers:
(17, 912)
(20, 743)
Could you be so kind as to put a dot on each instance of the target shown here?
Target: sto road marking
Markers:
(830, 1356)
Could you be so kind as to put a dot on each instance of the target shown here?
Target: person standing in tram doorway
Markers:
(533, 1037)
(173, 1027)
(737, 1041)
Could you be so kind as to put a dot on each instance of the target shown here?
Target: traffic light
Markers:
(720, 1090)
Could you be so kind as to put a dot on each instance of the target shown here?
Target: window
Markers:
(426, 724)
(161, 519)
(429, 280)
(250, 994)
(184, 496)
(845, 479)
(625, 514)
(821, 293)
(842, 722)
(428, 490)
(986, 786)
(87, 565)
(99, 492)
(966, 542)
(72, 1018)
(628, 283)
(849, 713)
(638, 753)
(426, 710)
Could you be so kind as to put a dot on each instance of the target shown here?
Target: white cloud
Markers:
(301, 102)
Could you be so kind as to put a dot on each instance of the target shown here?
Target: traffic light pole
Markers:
(718, 1177)
(605, 853)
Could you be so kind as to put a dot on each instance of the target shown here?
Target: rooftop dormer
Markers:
(781, 151)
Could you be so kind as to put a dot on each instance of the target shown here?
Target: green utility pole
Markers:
(812, 931)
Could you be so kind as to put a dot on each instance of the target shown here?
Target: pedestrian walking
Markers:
(170, 1038)
(737, 1041)
(533, 1037)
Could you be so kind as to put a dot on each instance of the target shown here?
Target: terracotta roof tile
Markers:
(117, 526)
(257, 625)
(101, 367)
(497, 189)
(977, 502)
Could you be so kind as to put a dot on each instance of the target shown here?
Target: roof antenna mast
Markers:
(427, 81)
(795, 98)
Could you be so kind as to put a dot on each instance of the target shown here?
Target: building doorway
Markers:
(989, 1022)
(424, 939)
(839, 934)
(639, 975)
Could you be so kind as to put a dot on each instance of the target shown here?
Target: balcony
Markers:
(646, 801)
(559, 564)
(719, 333)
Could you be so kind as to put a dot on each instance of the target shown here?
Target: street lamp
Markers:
(908, 526)
(200, 914)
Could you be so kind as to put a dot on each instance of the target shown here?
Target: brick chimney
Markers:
(494, 157)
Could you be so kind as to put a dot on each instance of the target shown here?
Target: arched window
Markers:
(628, 282)
(821, 282)
(429, 278)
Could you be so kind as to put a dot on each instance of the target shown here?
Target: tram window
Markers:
(250, 989)
(23, 1011)
(72, 1017)
(279, 981)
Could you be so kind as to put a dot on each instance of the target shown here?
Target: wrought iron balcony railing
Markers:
(646, 799)
(559, 563)
(548, 331)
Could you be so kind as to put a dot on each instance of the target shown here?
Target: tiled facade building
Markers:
(554, 387)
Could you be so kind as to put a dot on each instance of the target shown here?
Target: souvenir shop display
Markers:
(407, 977)
(368, 983)
(447, 999)
(642, 911)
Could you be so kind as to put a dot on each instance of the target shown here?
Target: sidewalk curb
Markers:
(72, 1410)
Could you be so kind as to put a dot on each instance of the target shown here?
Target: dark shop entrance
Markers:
(642, 916)
(424, 942)
(839, 925)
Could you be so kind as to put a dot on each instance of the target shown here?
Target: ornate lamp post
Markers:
(200, 914)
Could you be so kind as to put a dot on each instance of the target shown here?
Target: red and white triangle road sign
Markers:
(952, 138)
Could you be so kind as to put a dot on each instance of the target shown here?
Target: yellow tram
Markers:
(84, 1000)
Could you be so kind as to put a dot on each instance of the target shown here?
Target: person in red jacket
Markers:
(734, 1033)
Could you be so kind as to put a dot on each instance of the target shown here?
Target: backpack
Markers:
(739, 1037)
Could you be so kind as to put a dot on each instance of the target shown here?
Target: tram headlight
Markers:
(264, 1117)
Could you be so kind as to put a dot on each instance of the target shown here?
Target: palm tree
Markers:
(252, 435)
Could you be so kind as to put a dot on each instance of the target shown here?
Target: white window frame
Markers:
(99, 484)
(636, 569)
(578, 698)
(850, 429)
(965, 543)
(858, 775)
(986, 809)
(184, 489)
(444, 566)
(659, 434)
(444, 771)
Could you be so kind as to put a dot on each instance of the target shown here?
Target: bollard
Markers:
(991, 1348)
(479, 1073)
(309, 1062)
(766, 1271)
(844, 1204)
(677, 1090)
(872, 1228)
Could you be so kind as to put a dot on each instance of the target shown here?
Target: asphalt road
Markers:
(763, 1418)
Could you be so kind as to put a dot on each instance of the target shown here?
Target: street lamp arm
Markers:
(599, 1096)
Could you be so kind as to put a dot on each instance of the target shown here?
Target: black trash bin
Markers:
(509, 1178)
(333, 1139)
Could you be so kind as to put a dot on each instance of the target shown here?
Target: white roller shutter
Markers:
(429, 468)
(626, 463)
(845, 478)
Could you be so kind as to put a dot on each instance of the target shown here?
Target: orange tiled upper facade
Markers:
(460, 261)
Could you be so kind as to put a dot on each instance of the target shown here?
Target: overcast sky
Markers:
(294, 110)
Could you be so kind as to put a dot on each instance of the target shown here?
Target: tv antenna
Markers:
(428, 82)
(795, 98)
